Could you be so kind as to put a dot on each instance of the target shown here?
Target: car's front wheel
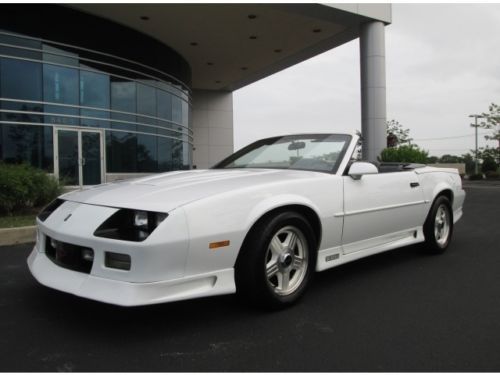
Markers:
(438, 227)
(277, 260)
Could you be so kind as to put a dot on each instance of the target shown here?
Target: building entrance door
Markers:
(78, 156)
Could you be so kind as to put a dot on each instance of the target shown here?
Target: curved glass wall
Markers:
(141, 112)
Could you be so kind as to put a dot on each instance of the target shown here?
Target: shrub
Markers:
(474, 177)
(23, 187)
(404, 154)
(488, 165)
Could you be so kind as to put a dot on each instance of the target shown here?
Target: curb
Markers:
(13, 236)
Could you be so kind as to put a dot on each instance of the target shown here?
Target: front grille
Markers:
(73, 257)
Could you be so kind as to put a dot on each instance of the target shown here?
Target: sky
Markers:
(442, 64)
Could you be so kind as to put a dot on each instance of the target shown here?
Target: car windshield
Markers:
(314, 152)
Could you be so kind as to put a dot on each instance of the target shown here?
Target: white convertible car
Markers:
(259, 223)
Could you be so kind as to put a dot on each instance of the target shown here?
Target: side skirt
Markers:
(332, 257)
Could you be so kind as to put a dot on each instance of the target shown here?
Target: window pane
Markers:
(68, 157)
(164, 154)
(177, 154)
(121, 152)
(60, 85)
(146, 100)
(185, 113)
(94, 89)
(176, 109)
(21, 80)
(72, 58)
(146, 105)
(123, 98)
(94, 92)
(19, 41)
(147, 156)
(164, 104)
(30, 144)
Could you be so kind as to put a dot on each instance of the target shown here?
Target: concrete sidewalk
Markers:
(13, 236)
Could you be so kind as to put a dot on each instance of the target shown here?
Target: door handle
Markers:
(414, 184)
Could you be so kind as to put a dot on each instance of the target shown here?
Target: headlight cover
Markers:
(130, 225)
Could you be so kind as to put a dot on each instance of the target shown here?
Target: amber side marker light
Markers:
(216, 245)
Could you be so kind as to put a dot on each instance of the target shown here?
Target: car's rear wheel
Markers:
(438, 227)
(277, 260)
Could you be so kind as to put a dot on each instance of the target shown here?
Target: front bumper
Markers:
(157, 270)
(125, 293)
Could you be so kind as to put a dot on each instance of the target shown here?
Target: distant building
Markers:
(96, 92)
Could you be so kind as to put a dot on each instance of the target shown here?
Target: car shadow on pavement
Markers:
(87, 316)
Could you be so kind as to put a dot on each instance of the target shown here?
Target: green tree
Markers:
(488, 157)
(432, 160)
(450, 159)
(394, 127)
(492, 122)
(489, 165)
(468, 159)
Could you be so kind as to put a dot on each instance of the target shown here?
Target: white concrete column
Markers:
(212, 116)
(373, 92)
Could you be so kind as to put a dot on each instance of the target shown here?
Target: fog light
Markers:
(118, 261)
(88, 255)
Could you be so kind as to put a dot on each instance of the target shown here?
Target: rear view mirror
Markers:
(296, 146)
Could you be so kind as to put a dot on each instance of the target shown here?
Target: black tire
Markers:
(437, 239)
(257, 253)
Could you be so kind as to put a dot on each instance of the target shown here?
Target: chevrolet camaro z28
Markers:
(259, 223)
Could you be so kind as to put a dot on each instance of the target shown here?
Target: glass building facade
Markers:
(84, 114)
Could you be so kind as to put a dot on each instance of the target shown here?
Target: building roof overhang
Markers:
(229, 46)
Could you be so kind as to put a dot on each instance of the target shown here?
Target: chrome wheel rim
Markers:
(442, 225)
(286, 260)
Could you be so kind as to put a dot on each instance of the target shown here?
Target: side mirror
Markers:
(359, 168)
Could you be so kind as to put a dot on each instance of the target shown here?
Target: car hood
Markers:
(167, 191)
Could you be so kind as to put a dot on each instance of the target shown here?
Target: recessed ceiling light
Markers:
(252, 16)
(253, 37)
(277, 50)
(317, 30)
(194, 44)
(144, 18)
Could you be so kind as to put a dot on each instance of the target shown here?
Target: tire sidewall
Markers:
(430, 238)
(256, 250)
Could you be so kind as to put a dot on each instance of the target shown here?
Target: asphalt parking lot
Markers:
(397, 311)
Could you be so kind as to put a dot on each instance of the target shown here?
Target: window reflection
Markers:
(60, 85)
(123, 98)
(30, 84)
(164, 106)
(94, 92)
(121, 152)
(21, 42)
(31, 144)
(20, 80)
(147, 156)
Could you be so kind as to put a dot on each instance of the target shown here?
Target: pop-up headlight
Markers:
(130, 225)
(51, 207)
